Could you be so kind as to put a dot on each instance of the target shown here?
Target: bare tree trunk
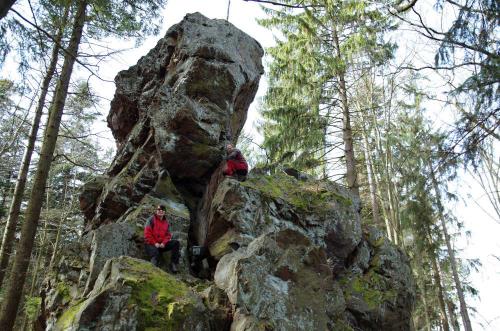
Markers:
(10, 228)
(59, 227)
(386, 210)
(352, 176)
(18, 275)
(5, 7)
(451, 254)
(420, 283)
(371, 180)
(437, 279)
(453, 316)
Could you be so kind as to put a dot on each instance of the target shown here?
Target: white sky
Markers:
(484, 239)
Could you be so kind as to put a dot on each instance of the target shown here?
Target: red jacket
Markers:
(156, 231)
(237, 160)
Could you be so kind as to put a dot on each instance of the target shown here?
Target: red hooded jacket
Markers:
(156, 231)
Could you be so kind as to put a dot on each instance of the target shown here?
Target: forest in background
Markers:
(343, 102)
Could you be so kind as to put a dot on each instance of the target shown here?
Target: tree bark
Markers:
(371, 180)
(451, 254)
(420, 283)
(59, 227)
(10, 228)
(387, 208)
(18, 275)
(437, 279)
(5, 7)
(453, 316)
(351, 176)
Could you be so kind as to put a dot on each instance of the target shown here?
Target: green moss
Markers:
(342, 325)
(203, 150)
(165, 187)
(375, 262)
(63, 290)
(66, 320)
(162, 300)
(311, 195)
(372, 288)
(222, 246)
(32, 307)
(345, 201)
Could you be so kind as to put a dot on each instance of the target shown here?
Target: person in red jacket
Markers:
(236, 163)
(158, 239)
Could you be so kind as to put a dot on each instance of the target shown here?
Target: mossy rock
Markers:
(311, 195)
(132, 294)
(229, 242)
(373, 289)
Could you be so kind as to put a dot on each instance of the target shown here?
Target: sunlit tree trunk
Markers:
(351, 176)
(371, 180)
(59, 227)
(451, 253)
(18, 275)
(383, 191)
(10, 229)
(441, 299)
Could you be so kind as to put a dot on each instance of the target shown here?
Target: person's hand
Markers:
(157, 245)
(162, 245)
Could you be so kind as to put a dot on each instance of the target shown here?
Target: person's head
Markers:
(160, 210)
(229, 148)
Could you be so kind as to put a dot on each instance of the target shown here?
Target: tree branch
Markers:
(61, 46)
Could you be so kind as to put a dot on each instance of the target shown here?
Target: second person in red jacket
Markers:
(236, 165)
(158, 239)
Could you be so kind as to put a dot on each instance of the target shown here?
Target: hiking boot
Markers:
(173, 268)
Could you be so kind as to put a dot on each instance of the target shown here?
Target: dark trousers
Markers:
(155, 253)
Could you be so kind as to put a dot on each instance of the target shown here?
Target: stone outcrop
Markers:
(293, 256)
(284, 252)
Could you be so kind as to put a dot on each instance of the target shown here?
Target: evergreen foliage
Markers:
(303, 106)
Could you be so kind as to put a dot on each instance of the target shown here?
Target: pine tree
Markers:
(308, 100)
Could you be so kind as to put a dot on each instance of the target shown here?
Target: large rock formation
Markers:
(283, 253)
(293, 256)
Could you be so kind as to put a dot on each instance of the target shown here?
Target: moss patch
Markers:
(66, 320)
(163, 302)
(63, 290)
(372, 288)
(309, 196)
(222, 245)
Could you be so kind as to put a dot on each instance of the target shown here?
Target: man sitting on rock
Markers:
(236, 165)
(158, 239)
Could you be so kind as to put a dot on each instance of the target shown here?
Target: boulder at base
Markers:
(132, 294)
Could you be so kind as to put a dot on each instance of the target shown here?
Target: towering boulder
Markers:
(172, 114)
